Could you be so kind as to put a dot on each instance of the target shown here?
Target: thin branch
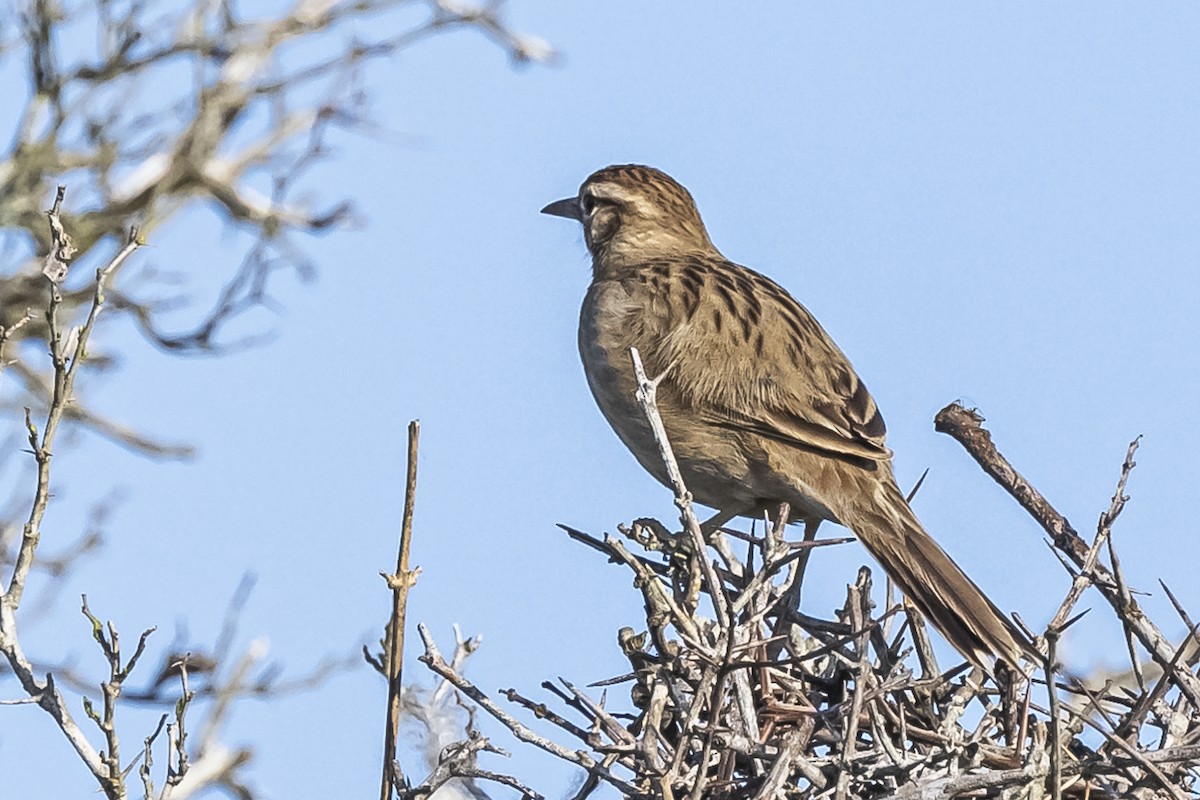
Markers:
(647, 389)
(434, 660)
(400, 582)
(966, 427)
(68, 352)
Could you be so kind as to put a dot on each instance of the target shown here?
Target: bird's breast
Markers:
(612, 320)
(610, 323)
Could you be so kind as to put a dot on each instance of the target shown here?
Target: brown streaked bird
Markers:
(759, 404)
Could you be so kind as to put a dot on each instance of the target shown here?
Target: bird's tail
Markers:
(933, 582)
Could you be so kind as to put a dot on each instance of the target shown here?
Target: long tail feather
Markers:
(929, 577)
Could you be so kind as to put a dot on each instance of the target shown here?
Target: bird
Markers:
(760, 406)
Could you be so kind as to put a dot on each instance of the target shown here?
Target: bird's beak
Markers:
(567, 207)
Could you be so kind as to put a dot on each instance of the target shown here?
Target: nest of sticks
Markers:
(733, 693)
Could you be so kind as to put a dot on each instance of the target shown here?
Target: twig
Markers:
(858, 598)
(178, 763)
(67, 354)
(400, 582)
(6, 334)
(148, 759)
(66, 366)
(647, 389)
(434, 660)
(1055, 745)
(110, 644)
(540, 711)
(966, 427)
(792, 749)
(1133, 753)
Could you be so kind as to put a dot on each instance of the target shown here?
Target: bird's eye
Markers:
(587, 203)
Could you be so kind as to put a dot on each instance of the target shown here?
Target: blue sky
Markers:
(997, 203)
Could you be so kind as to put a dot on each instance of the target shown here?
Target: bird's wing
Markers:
(752, 358)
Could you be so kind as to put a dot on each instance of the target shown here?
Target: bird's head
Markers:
(631, 213)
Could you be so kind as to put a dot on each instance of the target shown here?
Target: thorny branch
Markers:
(966, 426)
(841, 708)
